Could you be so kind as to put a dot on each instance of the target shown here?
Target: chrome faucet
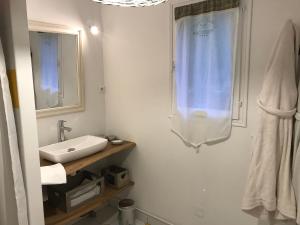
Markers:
(61, 130)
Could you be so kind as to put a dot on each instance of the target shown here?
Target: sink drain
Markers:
(71, 149)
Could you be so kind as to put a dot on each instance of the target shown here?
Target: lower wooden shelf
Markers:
(58, 217)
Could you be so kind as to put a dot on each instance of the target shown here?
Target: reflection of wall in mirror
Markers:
(69, 70)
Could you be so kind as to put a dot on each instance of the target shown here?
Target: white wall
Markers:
(78, 14)
(173, 181)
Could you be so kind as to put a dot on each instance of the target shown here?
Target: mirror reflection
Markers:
(55, 69)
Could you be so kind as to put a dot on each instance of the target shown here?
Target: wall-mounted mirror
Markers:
(58, 81)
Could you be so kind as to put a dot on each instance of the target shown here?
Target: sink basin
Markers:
(73, 149)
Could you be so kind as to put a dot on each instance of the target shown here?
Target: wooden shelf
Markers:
(72, 167)
(58, 217)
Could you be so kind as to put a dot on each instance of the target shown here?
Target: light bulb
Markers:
(94, 30)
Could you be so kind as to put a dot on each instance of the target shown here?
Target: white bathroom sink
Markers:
(73, 149)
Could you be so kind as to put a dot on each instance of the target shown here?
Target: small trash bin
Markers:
(126, 212)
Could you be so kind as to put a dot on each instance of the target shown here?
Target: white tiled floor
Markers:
(116, 223)
(106, 216)
(93, 221)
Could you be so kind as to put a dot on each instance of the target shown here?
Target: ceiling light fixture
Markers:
(130, 3)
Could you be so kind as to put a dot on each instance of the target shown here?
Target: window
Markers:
(210, 69)
(45, 56)
(210, 59)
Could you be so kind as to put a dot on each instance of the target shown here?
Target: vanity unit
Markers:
(55, 216)
(59, 89)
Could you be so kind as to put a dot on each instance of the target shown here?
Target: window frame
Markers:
(240, 94)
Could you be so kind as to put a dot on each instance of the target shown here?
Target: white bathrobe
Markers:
(296, 158)
(269, 187)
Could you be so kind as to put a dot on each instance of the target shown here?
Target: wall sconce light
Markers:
(94, 30)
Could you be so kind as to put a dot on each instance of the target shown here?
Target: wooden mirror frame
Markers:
(54, 28)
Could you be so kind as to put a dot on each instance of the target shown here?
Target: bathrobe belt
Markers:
(278, 112)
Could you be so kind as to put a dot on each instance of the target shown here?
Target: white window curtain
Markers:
(206, 36)
(45, 59)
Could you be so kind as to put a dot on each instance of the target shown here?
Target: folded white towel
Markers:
(55, 174)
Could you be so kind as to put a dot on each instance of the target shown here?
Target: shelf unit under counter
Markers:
(110, 149)
(59, 217)
(55, 216)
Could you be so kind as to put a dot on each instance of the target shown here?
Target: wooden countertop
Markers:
(72, 167)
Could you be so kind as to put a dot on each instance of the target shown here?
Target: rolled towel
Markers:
(55, 174)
